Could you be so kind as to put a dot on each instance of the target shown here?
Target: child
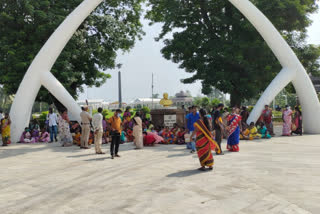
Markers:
(45, 136)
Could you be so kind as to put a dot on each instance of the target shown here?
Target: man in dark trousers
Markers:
(218, 126)
(115, 127)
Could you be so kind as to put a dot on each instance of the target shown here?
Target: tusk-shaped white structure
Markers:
(39, 71)
(292, 70)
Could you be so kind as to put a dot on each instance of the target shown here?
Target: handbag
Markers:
(293, 127)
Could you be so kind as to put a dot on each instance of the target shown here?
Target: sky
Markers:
(145, 58)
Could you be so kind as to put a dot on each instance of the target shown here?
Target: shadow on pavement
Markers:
(185, 173)
(99, 159)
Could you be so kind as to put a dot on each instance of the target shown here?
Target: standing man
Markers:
(191, 118)
(98, 131)
(85, 126)
(115, 123)
(218, 126)
(53, 122)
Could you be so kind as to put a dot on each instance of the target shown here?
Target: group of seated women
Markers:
(33, 134)
(165, 135)
(255, 132)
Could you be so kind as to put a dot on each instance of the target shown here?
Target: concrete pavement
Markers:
(281, 175)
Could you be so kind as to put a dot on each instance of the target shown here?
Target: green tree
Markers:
(26, 25)
(197, 101)
(214, 41)
(214, 102)
(205, 102)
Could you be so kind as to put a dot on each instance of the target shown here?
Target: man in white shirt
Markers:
(53, 122)
(98, 130)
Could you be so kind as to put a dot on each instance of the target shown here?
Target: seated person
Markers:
(151, 126)
(35, 135)
(91, 138)
(129, 135)
(34, 125)
(161, 129)
(106, 138)
(74, 127)
(175, 131)
(263, 131)
(167, 136)
(150, 138)
(123, 138)
(44, 136)
(245, 135)
(254, 131)
(77, 137)
(26, 136)
(180, 136)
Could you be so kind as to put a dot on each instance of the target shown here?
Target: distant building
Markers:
(316, 83)
(182, 98)
(115, 105)
(146, 102)
(94, 104)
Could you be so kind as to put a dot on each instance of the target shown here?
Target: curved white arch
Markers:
(39, 71)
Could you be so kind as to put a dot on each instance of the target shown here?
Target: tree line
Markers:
(208, 38)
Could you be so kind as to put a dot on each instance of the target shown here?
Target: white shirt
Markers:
(97, 122)
(52, 119)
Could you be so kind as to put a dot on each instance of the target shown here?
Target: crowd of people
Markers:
(202, 132)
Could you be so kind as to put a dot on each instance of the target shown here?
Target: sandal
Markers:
(202, 169)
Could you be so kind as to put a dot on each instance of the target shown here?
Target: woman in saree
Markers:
(64, 129)
(45, 136)
(204, 141)
(234, 121)
(287, 121)
(137, 132)
(297, 121)
(5, 130)
(266, 118)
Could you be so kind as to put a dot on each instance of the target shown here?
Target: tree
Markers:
(215, 102)
(205, 102)
(26, 25)
(214, 41)
(197, 101)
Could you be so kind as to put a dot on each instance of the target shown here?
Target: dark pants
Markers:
(218, 138)
(114, 147)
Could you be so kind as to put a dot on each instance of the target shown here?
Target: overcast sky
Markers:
(145, 58)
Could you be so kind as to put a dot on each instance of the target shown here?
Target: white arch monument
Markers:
(39, 71)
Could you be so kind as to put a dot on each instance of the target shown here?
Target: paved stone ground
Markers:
(281, 175)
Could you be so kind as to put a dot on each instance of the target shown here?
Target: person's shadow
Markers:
(185, 173)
